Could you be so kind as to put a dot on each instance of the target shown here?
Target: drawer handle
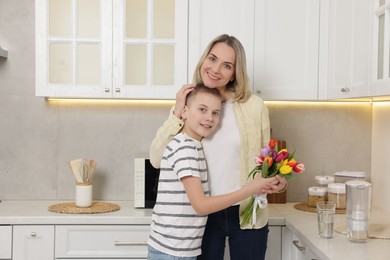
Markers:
(130, 243)
(33, 234)
(300, 248)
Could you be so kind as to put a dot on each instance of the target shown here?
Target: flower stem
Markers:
(247, 213)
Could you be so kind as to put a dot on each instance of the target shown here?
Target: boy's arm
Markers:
(205, 205)
(164, 135)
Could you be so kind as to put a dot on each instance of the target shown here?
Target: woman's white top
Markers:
(222, 152)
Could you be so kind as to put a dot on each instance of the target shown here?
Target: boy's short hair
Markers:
(201, 88)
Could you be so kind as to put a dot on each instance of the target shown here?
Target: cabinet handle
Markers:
(118, 90)
(33, 234)
(130, 243)
(345, 90)
(106, 90)
(300, 248)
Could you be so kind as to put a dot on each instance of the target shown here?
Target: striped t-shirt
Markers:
(176, 228)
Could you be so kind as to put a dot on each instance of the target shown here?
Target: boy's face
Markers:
(201, 115)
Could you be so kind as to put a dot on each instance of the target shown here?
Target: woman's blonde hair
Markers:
(240, 85)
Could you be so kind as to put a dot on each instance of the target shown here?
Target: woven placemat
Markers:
(304, 207)
(378, 231)
(71, 208)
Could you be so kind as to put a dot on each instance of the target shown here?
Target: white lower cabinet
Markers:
(5, 242)
(48, 242)
(44, 242)
(274, 244)
(294, 249)
(33, 242)
(101, 241)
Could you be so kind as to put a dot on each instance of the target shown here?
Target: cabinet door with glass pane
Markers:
(110, 49)
(150, 48)
(380, 75)
(73, 48)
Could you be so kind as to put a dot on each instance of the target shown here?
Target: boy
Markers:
(183, 201)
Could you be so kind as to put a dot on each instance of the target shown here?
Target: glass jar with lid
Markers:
(324, 180)
(336, 193)
(316, 194)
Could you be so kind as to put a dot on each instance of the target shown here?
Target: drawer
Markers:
(108, 241)
(5, 242)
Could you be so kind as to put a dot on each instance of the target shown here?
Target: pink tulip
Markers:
(300, 167)
(282, 155)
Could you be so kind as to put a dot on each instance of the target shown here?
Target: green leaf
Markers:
(291, 155)
(288, 176)
(253, 173)
(250, 175)
(265, 169)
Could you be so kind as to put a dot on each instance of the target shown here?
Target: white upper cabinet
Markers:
(380, 75)
(314, 50)
(345, 48)
(111, 49)
(280, 38)
(211, 18)
(286, 49)
(147, 49)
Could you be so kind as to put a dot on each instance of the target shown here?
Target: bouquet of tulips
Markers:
(269, 163)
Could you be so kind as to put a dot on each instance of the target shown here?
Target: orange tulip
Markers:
(272, 143)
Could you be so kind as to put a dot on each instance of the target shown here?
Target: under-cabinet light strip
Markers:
(133, 101)
(171, 101)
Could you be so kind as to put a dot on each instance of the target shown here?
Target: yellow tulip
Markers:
(285, 169)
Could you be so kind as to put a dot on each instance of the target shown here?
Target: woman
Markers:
(230, 151)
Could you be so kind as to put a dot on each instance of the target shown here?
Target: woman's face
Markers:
(219, 66)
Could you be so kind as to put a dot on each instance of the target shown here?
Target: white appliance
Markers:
(145, 183)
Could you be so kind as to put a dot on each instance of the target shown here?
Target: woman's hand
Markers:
(264, 185)
(181, 96)
(280, 185)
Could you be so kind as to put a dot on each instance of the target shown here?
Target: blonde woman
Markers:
(244, 128)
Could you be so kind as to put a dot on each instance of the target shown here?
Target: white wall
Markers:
(380, 169)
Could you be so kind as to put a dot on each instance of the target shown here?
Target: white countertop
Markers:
(37, 213)
(303, 224)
